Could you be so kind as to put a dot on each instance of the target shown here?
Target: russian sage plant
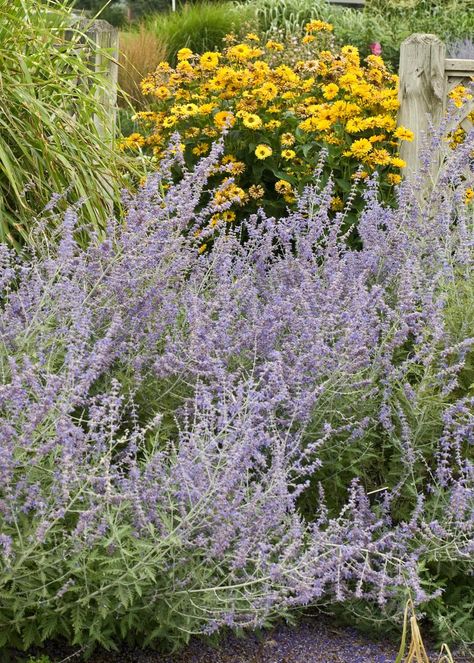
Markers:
(191, 441)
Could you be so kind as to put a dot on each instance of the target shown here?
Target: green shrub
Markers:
(50, 140)
(200, 27)
(387, 22)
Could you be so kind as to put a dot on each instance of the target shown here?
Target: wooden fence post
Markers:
(422, 91)
(103, 57)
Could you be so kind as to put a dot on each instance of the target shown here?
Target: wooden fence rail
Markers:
(426, 79)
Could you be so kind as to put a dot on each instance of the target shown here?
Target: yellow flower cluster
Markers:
(277, 116)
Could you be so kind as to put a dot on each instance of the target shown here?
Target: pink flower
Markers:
(376, 48)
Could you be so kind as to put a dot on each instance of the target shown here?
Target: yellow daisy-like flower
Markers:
(337, 204)
(394, 178)
(185, 67)
(162, 92)
(240, 52)
(252, 121)
(318, 26)
(272, 124)
(263, 151)
(228, 216)
(287, 139)
(288, 154)
(184, 54)
(274, 45)
(169, 121)
(224, 118)
(134, 141)
(251, 36)
(283, 187)
(468, 195)
(404, 134)
(360, 148)
(200, 149)
(256, 191)
(307, 39)
(209, 60)
(330, 91)
(397, 162)
(205, 109)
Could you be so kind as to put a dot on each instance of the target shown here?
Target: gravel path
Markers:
(313, 641)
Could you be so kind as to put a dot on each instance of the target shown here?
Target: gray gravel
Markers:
(315, 640)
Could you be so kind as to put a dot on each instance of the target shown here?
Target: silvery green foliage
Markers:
(193, 441)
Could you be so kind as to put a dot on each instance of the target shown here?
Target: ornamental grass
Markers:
(55, 133)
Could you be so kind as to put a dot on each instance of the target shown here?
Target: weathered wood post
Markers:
(422, 92)
(103, 54)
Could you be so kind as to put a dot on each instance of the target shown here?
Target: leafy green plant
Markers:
(55, 133)
(386, 22)
(200, 27)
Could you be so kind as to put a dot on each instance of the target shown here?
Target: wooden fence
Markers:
(101, 49)
(426, 79)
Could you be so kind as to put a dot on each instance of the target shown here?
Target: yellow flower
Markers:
(223, 119)
(252, 121)
(360, 148)
(147, 86)
(397, 162)
(236, 168)
(184, 54)
(202, 248)
(210, 132)
(330, 91)
(189, 109)
(169, 122)
(240, 52)
(263, 151)
(287, 139)
(288, 154)
(380, 157)
(209, 60)
(337, 204)
(283, 187)
(205, 109)
(318, 26)
(394, 178)
(134, 141)
(228, 216)
(404, 134)
(184, 67)
(162, 92)
(361, 175)
(274, 45)
(251, 36)
(230, 193)
(272, 124)
(256, 191)
(192, 132)
(468, 195)
(200, 149)
(307, 39)
(460, 95)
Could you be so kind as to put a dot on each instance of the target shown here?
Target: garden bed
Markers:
(313, 641)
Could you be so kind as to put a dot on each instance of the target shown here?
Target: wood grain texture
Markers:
(422, 92)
